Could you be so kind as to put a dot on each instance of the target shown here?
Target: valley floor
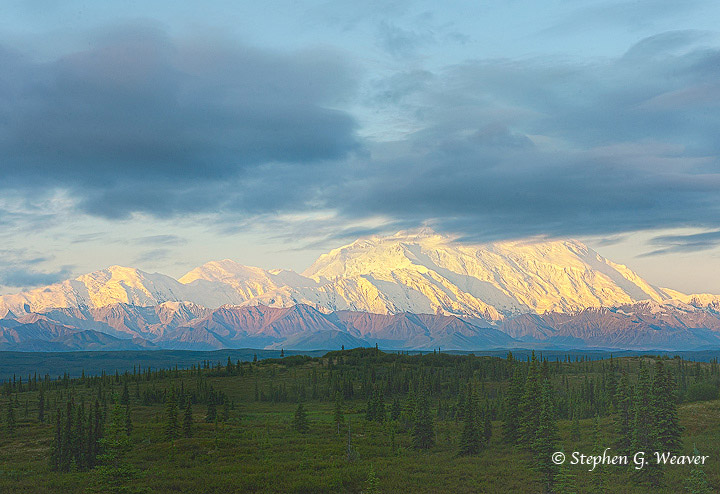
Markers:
(254, 448)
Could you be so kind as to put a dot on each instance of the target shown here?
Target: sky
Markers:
(163, 135)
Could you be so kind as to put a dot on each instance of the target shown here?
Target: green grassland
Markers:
(253, 446)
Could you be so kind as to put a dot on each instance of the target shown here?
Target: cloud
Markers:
(161, 240)
(510, 148)
(152, 255)
(142, 122)
(88, 237)
(684, 243)
(633, 15)
(21, 278)
(162, 247)
(400, 42)
(19, 268)
(611, 240)
(662, 44)
(348, 16)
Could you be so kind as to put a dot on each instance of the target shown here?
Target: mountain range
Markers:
(411, 290)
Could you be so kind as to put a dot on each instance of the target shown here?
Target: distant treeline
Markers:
(93, 363)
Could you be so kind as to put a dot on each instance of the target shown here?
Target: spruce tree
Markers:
(372, 483)
(89, 440)
(513, 414)
(379, 406)
(530, 405)
(98, 420)
(546, 437)
(56, 450)
(597, 480)
(125, 397)
(75, 443)
(68, 439)
(85, 450)
(300, 421)
(171, 419)
(565, 481)
(423, 431)
(487, 426)
(697, 483)
(470, 440)
(644, 433)
(114, 474)
(624, 417)
(666, 419)
(187, 424)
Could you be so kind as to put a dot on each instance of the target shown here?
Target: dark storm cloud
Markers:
(142, 122)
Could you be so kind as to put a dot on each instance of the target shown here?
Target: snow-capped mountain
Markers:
(426, 272)
(416, 272)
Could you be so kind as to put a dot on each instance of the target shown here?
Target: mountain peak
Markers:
(416, 271)
(224, 270)
(418, 234)
(509, 277)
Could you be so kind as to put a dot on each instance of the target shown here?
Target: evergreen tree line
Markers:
(530, 420)
(76, 443)
(647, 419)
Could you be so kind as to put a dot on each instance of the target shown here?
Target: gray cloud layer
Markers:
(513, 148)
(140, 122)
